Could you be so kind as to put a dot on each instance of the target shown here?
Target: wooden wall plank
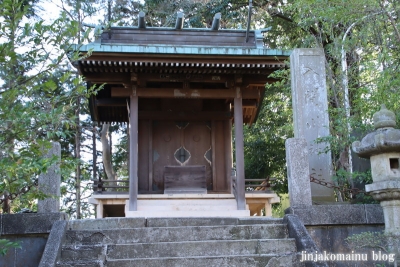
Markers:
(214, 158)
(220, 155)
(228, 153)
(143, 145)
(150, 158)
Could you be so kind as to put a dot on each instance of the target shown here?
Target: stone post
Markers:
(298, 172)
(310, 115)
(49, 183)
(383, 148)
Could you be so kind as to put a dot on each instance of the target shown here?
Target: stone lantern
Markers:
(382, 146)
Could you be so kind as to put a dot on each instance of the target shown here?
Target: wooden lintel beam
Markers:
(120, 92)
(126, 77)
(184, 93)
(251, 94)
(250, 103)
(171, 115)
(193, 77)
(108, 77)
(258, 79)
(111, 102)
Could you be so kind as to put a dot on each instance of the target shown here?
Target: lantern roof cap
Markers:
(385, 138)
(384, 118)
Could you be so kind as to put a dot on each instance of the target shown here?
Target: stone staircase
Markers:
(168, 242)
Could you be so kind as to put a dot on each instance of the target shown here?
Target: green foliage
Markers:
(5, 245)
(363, 30)
(35, 104)
(42, 100)
(383, 241)
(197, 14)
(278, 209)
(368, 33)
(120, 157)
(264, 141)
(375, 241)
(352, 186)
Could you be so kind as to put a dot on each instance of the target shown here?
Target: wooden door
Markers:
(180, 144)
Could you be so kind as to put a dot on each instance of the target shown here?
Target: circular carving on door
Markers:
(196, 138)
(167, 138)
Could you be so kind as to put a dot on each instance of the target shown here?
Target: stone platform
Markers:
(183, 205)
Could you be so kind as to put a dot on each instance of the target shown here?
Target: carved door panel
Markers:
(166, 140)
(180, 144)
(197, 140)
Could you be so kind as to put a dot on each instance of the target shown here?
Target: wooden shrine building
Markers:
(180, 90)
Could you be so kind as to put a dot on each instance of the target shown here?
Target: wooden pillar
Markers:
(239, 151)
(133, 152)
(268, 210)
(150, 166)
(228, 153)
(99, 210)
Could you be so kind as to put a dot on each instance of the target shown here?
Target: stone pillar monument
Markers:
(383, 148)
(49, 183)
(298, 172)
(310, 115)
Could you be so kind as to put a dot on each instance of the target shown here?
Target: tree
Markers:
(31, 115)
(264, 141)
(362, 35)
(76, 147)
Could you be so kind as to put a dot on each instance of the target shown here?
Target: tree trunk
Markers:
(78, 158)
(107, 162)
(94, 131)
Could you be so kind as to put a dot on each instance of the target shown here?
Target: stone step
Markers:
(200, 248)
(147, 242)
(176, 222)
(81, 263)
(169, 234)
(206, 261)
(128, 223)
(259, 260)
(84, 253)
(188, 212)
(211, 248)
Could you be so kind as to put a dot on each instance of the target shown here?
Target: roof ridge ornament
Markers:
(141, 21)
(216, 22)
(179, 21)
(260, 37)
